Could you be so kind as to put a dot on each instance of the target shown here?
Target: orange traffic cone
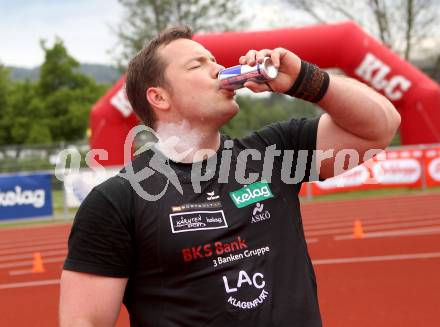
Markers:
(358, 231)
(37, 266)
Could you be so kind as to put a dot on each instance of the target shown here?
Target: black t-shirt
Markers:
(228, 254)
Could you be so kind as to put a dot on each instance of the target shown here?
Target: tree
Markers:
(145, 18)
(399, 24)
(66, 94)
(4, 90)
(55, 108)
(59, 70)
(258, 112)
(4, 86)
(26, 115)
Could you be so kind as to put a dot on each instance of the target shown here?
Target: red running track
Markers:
(388, 278)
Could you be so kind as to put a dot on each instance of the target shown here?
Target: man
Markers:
(231, 252)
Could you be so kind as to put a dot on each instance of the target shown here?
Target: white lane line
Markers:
(367, 221)
(30, 255)
(413, 256)
(16, 264)
(22, 272)
(377, 227)
(393, 233)
(16, 245)
(311, 240)
(30, 284)
(30, 262)
(27, 249)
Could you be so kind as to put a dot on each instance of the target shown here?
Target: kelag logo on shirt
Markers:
(252, 193)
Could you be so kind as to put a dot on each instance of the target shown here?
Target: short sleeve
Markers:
(299, 135)
(100, 241)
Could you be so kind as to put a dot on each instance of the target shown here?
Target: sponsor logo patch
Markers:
(197, 206)
(259, 214)
(212, 196)
(246, 291)
(212, 249)
(250, 194)
(197, 220)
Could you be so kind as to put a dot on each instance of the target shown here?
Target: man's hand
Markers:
(288, 65)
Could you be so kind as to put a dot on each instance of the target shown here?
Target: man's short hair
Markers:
(147, 69)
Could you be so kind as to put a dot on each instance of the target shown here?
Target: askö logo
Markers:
(250, 194)
(259, 214)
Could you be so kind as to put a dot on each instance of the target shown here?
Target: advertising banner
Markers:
(391, 168)
(25, 196)
(432, 166)
(353, 179)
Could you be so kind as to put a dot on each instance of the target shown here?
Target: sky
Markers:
(85, 26)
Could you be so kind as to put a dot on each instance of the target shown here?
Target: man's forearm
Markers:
(360, 110)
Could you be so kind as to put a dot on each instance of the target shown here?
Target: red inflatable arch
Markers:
(345, 46)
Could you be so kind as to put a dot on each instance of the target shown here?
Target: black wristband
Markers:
(311, 84)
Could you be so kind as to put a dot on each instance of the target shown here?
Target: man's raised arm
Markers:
(357, 117)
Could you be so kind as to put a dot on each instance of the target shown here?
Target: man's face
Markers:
(191, 74)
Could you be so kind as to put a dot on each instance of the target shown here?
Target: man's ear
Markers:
(158, 98)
